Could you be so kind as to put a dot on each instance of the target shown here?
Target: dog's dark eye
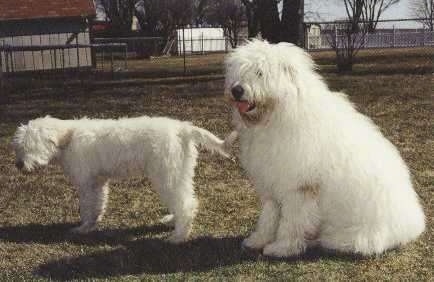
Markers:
(259, 73)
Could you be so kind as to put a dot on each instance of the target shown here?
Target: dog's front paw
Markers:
(168, 220)
(255, 241)
(285, 248)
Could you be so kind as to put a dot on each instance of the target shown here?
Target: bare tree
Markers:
(201, 8)
(252, 13)
(347, 37)
(292, 29)
(372, 11)
(424, 9)
(354, 9)
(164, 16)
(230, 14)
(263, 16)
(120, 13)
(346, 43)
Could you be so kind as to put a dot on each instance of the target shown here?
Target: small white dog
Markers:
(91, 151)
(324, 172)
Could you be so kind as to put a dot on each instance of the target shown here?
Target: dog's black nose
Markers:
(237, 92)
(19, 164)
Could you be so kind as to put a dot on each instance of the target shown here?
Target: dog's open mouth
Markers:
(244, 106)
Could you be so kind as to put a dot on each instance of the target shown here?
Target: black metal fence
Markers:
(157, 57)
(325, 36)
(18, 59)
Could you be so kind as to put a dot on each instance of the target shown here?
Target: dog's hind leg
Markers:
(181, 201)
(179, 194)
(93, 200)
(184, 214)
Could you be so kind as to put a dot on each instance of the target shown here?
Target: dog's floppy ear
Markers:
(62, 139)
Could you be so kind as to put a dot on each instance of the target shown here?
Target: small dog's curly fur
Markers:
(91, 151)
(324, 172)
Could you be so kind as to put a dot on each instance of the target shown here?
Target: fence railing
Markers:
(117, 52)
(19, 58)
(141, 47)
(389, 39)
(388, 33)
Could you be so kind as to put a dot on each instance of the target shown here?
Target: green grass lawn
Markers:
(36, 210)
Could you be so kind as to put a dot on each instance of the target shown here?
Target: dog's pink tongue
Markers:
(243, 106)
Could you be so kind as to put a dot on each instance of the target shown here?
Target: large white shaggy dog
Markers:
(324, 172)
(91, 151)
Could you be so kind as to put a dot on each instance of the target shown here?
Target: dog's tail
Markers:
(206, 139)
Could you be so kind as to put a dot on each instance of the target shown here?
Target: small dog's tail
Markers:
(206, 139)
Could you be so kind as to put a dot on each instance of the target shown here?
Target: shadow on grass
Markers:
(152, 256)
(58, 233)
(155, 256)
(132, 256)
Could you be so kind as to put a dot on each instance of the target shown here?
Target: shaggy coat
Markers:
(91, 151)
(324, 172)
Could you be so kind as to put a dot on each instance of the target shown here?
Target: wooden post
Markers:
(78, 52)
(112, 62)
(1, 70)
(183, 46)
(191, 40)
(201, 43)
(126, 56)
(394, 37)
(423, 37)
(92, 49)
(336, 37)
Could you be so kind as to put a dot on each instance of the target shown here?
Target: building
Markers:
(45, 34)
(312, 36)
(201, 40)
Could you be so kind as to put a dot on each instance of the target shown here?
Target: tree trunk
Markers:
(252, 22)
(269, 20)
(292, 21)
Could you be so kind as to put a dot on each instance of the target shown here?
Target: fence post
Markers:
(112, 62)
(336, 36)
(191, 40)
(183, 46)
(92, 49)
(1, 68)
(126, 56)
(226, 44)
(423, 36)
(394, 37)
(103, 58)
(201, 43)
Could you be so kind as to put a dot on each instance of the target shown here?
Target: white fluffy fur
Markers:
(91, 151)
(324, 172)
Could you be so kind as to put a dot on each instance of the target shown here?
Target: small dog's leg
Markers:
(295, 220)
(185, 211)
(183, 203)
(93, 200)
(265, 227)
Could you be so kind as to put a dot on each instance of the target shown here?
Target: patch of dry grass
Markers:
(36, 210)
